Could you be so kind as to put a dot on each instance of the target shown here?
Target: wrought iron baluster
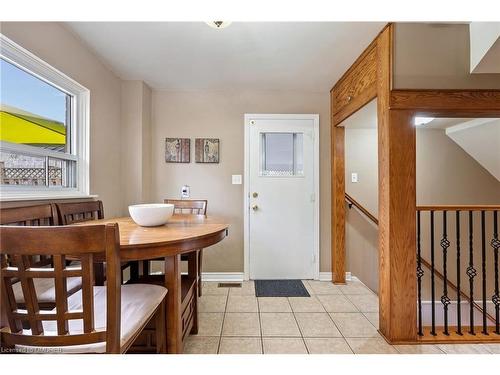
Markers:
(495, 243)
(445, 300)
(471, 273)
(483, 271)
(420, 274)
(459, 299)
(433, 289)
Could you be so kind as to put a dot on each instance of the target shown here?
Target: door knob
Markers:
(255, 195)
(255, 207)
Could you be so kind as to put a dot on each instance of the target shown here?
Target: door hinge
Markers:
(314, 258)
(313, 197)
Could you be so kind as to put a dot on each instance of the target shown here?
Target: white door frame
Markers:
(246, 178)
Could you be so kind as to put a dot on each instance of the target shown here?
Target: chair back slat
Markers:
(71, 213)
(61, 289)
(21, 243)
(87, 293)
(28, 287)
(189, 206)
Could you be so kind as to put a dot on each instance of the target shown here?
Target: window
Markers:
(282, 154)
(43, 129)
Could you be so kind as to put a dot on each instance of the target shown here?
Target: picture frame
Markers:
(177, 150)
(207, 150)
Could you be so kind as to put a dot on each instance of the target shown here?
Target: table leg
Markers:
(193, 273)
(174, 303)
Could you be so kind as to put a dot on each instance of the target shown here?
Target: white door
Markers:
(281, 196)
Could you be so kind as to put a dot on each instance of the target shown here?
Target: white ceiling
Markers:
(309, 56)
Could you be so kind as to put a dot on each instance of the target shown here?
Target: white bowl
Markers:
(152, 214)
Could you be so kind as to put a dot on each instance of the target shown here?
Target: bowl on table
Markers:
(151, 214)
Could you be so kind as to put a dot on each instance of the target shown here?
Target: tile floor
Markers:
(334, 320)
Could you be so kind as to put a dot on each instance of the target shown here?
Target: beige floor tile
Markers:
(337, 303)
(464, 349)
(236, 303)
(208, 303)
(373, 318)
(364, 302)
(494, 348)
(284, 346)
(354, 325)
(327, 346)
(240, 345)
(274, 304)
(370, 346)
(418, 349)
(279, 324)
(354, 288)
(247, 288)
(241, 324)
(316, 325)
(201, 345)
(323, 287)
(210, 324)
(211, 288)
(306, 304)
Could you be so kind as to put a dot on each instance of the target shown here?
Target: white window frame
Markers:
(79, 133)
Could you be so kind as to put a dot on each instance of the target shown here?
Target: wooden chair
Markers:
(192, 207)
(189, 206)
(39, 215)
(96, 319)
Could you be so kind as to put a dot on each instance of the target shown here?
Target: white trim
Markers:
(235, 277)
(80, 120)
(246, 203)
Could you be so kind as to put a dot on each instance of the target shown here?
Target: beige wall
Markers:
(136, 142)
(219, 114)
(53, 43)
(436, 56)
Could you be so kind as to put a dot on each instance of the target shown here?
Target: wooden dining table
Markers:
(183, 234)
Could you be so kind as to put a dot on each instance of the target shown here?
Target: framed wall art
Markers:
(206, 150)
(177, 150)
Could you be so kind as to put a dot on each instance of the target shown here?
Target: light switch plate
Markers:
(236, 179)
(354, 177)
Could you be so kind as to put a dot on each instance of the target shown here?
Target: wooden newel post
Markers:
(397, 208)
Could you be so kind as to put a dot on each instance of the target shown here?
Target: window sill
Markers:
(38, 197)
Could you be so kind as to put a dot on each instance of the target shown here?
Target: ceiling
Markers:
(308, 56)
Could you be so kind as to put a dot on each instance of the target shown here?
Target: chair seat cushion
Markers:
(138, 303)
(45, 290)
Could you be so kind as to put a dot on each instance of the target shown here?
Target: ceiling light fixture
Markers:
(218, 24)
(420, 121)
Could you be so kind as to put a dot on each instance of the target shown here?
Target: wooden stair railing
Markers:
(459, 336)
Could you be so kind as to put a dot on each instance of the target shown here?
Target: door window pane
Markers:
(282, 154)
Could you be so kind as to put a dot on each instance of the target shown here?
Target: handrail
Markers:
(355, 203)
(425, 263)
(487, 207)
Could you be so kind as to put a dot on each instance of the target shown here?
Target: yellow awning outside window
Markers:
(27, 129)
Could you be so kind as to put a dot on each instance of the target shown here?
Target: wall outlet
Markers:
(354, 177)
(185, 191)
(236, 179)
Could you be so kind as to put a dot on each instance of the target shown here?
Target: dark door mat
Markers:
(280, 288)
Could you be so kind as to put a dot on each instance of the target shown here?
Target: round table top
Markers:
(181, 234)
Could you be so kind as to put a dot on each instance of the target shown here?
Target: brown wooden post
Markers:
(397, 206)
(338, 205)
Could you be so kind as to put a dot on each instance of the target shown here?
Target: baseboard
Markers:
(236, 277)
(327, 276)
